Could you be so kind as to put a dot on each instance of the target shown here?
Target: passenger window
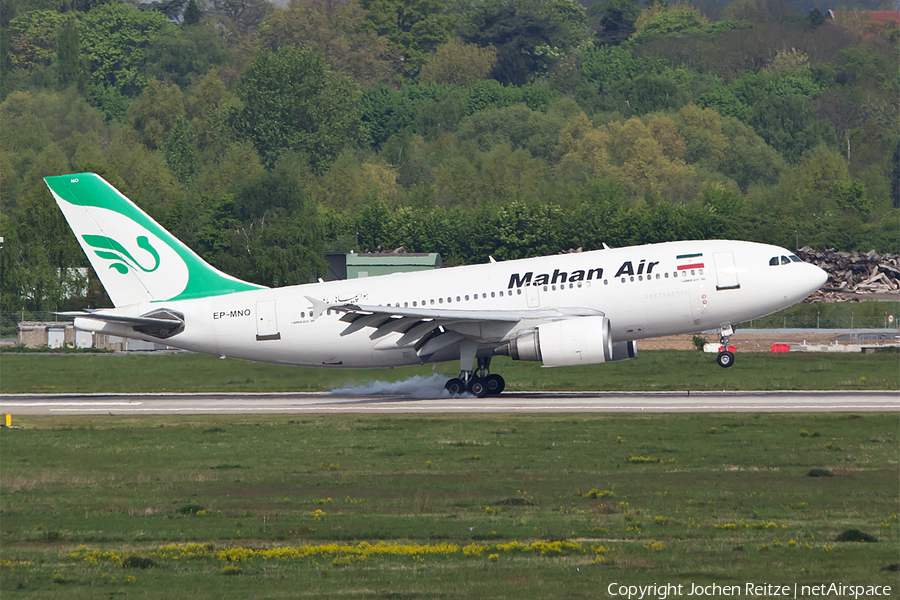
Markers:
(302, 315)
(458, 300)
(467, 296)
(519, 291)
(440, 300)
(666, 275)
(785, 260)
(406, 305)
(492, 294)
(432, 301)
(501, 294)
(773, 262)
(414, 302)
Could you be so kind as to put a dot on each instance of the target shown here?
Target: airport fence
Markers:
(9, 321)
(779, 321)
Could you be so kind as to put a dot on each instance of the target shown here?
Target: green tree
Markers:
(850, 195)
(416, 28)
(40, 254)
(456, 63)
(243, 15)
(172, 9)
(340, 32)
(278, 240)
(181, 151)
(292, 101)
(613, 20)
(68, 57)
(155, 113)
(895, 176)
(192, 13)
(530, 36)
(789, 124)
(34, 37)
(115, 38)
(183, 55)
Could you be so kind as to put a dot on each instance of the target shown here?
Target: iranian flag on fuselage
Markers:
(690, 261)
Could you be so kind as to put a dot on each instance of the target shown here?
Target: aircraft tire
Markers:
(455, 386)
(725, 359)
(494, 384)
(478, 387)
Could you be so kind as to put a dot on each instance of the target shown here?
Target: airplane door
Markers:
(726, 274)
(533, 296)
(266, 324)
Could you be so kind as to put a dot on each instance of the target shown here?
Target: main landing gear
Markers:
(725, 358)
(480, 382)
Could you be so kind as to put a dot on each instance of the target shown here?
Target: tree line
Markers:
(265, 136)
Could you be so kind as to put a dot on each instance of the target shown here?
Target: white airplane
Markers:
(564, 310)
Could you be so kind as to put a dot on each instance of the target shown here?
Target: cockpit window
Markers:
(785, 260)
(773, 262)
(795, 258)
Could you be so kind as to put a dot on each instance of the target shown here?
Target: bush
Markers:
(820, 473)
(855, 535)
(190, 509)
(230, 570)
(138, 562)
(699, 342)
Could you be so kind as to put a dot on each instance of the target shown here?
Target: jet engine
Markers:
(579, 341)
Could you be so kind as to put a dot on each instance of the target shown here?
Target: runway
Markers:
(510, 402)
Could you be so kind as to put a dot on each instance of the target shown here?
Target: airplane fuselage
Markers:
(644, 291)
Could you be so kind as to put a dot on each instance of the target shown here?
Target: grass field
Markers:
(651, 370)
(446, 507)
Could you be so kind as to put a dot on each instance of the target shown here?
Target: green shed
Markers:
(382, 263)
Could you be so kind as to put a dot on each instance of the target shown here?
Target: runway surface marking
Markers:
(517, 402)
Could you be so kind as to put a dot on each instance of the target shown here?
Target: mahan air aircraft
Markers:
(573, 309)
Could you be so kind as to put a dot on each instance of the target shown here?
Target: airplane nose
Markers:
(816, 277)
(821, 276)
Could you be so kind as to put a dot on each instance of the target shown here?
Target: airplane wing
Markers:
(431, 329)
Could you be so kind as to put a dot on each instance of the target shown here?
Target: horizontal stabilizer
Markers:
(159, 323)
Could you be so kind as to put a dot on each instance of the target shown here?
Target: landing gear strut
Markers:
(479, 383)
(725, 358)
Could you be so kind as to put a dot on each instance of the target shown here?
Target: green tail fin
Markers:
(136, 259)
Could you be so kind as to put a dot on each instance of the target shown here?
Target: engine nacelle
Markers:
(579, 341)
(624, 350)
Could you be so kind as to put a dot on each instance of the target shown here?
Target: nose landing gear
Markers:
(725, 358)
